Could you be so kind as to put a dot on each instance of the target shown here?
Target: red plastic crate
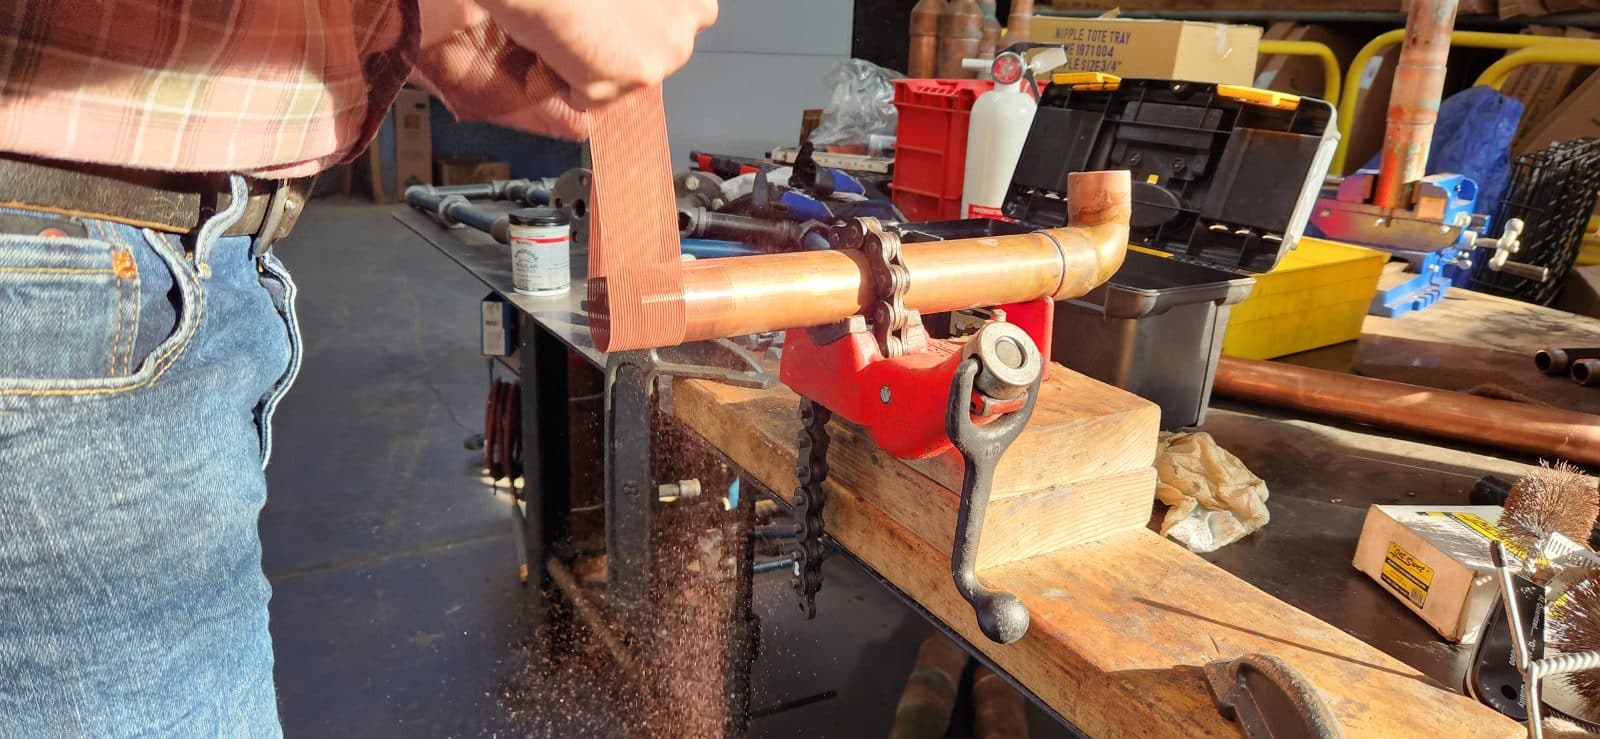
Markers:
(930, 149)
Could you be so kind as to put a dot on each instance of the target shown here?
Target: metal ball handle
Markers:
(1001, 615)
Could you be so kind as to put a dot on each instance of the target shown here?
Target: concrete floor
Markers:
(395, 605)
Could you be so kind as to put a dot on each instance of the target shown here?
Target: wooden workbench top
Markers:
(1120, 626)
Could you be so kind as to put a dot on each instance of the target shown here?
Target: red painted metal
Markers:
(850, 377)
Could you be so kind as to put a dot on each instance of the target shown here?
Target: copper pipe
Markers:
(1500, 423)
(1414, 99)
(931, 690)
(1586, 372)
(743, 295)
(999, 712)
(990, 33)
(1555, 361)
(960, 30)
(1017, 23)
(924, 56)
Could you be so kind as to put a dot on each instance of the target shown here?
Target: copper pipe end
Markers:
(1095, 241)
(1586, 372)
(1551, 361)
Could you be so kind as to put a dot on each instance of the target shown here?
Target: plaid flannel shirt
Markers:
(274, 88)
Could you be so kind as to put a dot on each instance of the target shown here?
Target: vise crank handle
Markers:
(1001, 615)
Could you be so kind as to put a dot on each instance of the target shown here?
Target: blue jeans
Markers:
(136, 388)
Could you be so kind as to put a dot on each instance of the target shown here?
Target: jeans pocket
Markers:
(70, 311)
(275, 278)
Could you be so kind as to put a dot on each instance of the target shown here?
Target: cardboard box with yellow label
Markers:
(1435, 560)
(1130, 47)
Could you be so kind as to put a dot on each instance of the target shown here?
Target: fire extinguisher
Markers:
(998, 126)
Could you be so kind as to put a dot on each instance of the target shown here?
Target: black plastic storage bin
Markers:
(1224, 179)
(1155, 330)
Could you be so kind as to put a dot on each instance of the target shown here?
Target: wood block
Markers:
(1018, 525)
(1081, 429)
(1120, 627)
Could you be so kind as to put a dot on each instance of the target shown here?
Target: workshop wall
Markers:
(529, 155)
(753, 73)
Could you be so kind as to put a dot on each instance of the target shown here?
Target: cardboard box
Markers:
(1542, 88)
(1303, 75)
(469, 170)
(1582, 292)
(1577, 116)
(1185, 50)
(413, 140)
(1435, 560)
(1569, 6)
(1269, 66)
(1465, 7)
(1368, 123)
(1522, 9)
(1521, 83)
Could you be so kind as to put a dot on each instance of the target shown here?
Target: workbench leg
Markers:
(630, 494)
(546, 460)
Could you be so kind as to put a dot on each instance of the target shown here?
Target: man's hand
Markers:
(604, 48)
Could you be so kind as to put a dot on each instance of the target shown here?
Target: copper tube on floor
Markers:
(998, 708)
(743, 295)
(1519, 427)
(930, 694)
(1414, 99)
(924, 52)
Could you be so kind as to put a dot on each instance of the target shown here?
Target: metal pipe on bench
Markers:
(525, 191)
(1499, 423)
(453, 208)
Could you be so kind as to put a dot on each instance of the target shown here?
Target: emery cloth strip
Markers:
(635, 294)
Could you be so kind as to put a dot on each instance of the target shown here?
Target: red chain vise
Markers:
(901, 401)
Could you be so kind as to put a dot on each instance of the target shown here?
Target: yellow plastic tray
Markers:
(1317, 296)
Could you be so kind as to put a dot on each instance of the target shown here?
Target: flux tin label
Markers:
(541, 253)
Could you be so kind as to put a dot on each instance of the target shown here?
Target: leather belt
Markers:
(173, 202)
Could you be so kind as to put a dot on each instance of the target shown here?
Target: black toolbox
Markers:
(1224, 179)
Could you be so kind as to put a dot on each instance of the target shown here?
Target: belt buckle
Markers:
(272, 219)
